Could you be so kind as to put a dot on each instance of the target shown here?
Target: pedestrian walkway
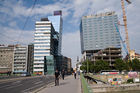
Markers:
(68, 85)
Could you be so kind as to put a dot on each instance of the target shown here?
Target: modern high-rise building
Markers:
(6, 58)
(57, 23)
(20, 59)
(99, 32)
(45, 45)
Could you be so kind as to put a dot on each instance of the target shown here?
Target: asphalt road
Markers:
(25, 85)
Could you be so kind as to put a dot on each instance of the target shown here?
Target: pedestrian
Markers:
(75, 74)
(57, 74)
(63, 74)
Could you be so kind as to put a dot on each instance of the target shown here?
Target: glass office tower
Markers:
(98, 32)
(57, 23)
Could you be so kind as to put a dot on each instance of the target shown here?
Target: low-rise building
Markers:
(6, 58)
(69, 66)
(20, 59)
(134, 55)
(63, 63)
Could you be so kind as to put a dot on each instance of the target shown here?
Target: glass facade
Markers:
(57, 24)
(99, 32)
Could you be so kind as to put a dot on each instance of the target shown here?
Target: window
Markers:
(39, 56)
(41, 53)
(39, 46)
(41, 49)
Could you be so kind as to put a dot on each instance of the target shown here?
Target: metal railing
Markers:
(85, 86)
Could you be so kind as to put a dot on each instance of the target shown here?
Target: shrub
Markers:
(130, 81)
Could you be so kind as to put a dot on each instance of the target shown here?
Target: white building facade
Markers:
(43, 46)
(20, 59)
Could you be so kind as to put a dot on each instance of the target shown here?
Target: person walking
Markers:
(75, 74)
(63, 74)
(57, 74)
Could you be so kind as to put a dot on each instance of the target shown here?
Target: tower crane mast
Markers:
(125, 24)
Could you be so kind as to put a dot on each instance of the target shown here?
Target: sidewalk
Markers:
(68, 85)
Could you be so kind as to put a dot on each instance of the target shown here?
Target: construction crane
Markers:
(124, 46)
(125, 24)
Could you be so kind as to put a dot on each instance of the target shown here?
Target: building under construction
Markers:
(98, 32)
(109, 55)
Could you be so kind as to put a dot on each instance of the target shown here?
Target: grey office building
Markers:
(99, 32)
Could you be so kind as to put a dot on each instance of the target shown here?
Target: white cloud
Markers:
(18, 9)
(13, 24)
(14, 36)
(76, 9)
(71, 45)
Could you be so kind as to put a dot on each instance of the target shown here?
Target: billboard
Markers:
(132, 74)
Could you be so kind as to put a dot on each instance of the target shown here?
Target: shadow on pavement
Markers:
(64, 83)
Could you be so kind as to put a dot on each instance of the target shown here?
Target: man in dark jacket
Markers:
(57, 77)
(63, 73)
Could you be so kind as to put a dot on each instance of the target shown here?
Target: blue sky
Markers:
(13, 14)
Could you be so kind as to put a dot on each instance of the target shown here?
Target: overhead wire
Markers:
(26, 21)
(10, 38)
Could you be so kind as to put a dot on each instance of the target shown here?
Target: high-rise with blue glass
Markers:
(98, 32)
(57, 23)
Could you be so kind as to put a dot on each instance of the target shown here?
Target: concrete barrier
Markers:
(110, 88)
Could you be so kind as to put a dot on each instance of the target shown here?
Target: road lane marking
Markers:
(5, 86)
(16, 82)
(38, 82)
(26, 90)
(14, 86)
(37, 89)
(50, 83)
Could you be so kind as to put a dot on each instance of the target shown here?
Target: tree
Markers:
(92, 67)
(84, 66)
(135, 64)
(101, 65)
(120, 65)
(89, 64)
(127, 66)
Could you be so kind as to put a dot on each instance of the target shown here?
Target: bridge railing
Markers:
(85, 86)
